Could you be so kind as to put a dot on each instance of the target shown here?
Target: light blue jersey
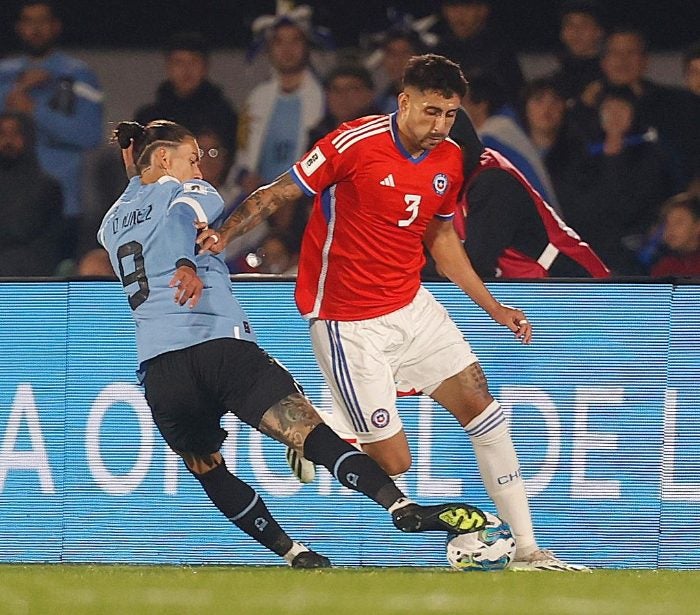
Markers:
(67, 113)
(148, 233)
(281, 139)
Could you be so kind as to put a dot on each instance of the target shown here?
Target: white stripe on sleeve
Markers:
(194, 204)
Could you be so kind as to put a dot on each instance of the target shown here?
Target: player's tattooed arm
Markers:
(290, 420)
(259, 205)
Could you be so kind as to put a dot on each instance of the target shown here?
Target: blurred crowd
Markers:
(615, 155)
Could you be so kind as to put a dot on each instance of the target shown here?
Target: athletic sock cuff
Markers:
(489, 420)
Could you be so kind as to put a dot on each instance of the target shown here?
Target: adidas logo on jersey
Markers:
(388, 181)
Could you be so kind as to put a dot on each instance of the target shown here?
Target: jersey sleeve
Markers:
(446, 211)
(322, 166)
(194, 201)
(200, 199)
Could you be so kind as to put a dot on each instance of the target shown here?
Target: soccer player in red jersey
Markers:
(383, 186)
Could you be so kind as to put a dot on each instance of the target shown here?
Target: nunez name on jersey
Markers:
(362, 251)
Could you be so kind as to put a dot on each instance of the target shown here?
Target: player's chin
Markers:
(432, 142)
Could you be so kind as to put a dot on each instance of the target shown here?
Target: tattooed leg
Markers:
(295, 422)
(290, 421)
(465, 394)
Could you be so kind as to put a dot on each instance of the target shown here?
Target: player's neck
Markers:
(151, 175)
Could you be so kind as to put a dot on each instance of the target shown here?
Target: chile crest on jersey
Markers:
(440, 183)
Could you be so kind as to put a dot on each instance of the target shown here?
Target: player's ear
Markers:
(161, 158)
(403, 101)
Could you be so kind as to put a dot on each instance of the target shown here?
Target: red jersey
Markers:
(362, 251)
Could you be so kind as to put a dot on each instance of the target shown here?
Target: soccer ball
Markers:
(491, 548)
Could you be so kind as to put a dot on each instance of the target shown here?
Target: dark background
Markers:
(529, 25)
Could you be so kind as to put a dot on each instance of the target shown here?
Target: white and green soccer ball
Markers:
(491, 548)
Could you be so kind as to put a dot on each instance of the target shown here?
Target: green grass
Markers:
(76, 589)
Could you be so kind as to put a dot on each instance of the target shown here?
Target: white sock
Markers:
(500, 472)
(296, 548)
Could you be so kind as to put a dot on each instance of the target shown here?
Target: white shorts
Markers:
(366, 362)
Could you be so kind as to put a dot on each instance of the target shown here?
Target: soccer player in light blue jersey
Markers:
(198, 357)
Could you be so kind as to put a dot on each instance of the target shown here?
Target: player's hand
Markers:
(208, 239)
(515, 320)
(188, 286)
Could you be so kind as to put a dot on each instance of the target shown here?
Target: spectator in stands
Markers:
(280, 112)
(63, 97)
(691, 69)
(680, 219)
(559, 145)
(405, 37)
(30, 208)
(581, 34)
(497, 126)
(468, 35)
(510, 230)
(624, 64)
(187, 96)
(629, 180)
(349, 94)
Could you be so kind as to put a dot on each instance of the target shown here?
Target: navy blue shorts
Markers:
(189, 390)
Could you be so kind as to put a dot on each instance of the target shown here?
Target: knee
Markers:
(473, 409)
(476, 400)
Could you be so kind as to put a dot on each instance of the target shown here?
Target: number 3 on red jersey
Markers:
(413, 202)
